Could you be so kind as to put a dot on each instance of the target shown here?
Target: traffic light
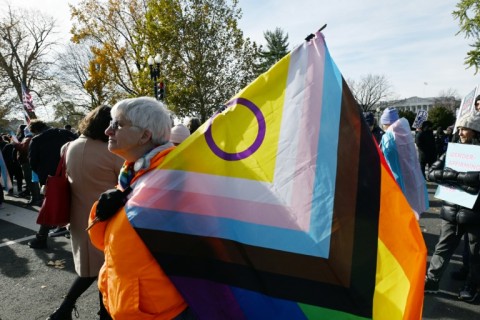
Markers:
(161, 90)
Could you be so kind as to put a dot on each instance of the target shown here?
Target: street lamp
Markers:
(378, 115)
(154, 64)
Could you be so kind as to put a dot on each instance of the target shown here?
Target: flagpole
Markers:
(44, 105)
(311, 35)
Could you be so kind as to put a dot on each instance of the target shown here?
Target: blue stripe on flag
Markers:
(326, 169)
(243, 232)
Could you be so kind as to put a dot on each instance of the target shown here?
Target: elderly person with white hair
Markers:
(132, 283)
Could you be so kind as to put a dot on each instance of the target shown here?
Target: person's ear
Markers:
(146, 136)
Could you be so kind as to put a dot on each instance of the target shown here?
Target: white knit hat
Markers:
(179, 133)
(470, 121)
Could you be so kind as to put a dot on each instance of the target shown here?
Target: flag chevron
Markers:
(297, 139)
(283, 212)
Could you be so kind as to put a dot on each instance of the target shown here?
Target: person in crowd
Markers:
(5, 182)
(425, 142)
(477, 103)
(3, 142)
(193, 124)
(449, 134)
(178, 134)
(441, 142)
(2, 196)
(399, 150)
(13, 166)
(68, 127)
(91, 169)
(22, 146)
(462, 272)
(456, 219)
(44, 156)
(140, 134)
(374, 128)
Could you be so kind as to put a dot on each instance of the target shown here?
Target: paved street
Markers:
(31, 285)
(33, 282)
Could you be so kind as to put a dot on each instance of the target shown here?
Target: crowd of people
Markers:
(106, 153)
(116, 148)
(416, 159)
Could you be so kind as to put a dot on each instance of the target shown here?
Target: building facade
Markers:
(413, 104)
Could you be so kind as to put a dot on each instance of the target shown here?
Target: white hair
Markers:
(146, 113)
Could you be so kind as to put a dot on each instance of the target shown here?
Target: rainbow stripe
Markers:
(282, 206)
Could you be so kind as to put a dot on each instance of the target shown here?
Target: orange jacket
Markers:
(132, 283)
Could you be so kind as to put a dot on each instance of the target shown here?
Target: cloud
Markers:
(410, 42)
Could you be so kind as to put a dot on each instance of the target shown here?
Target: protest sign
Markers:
(466, 107)
(462, 158)
(421, 117)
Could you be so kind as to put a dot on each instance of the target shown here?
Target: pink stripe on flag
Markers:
(215, 206)
(309, 128)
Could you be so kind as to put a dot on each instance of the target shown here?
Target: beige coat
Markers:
(91, 170)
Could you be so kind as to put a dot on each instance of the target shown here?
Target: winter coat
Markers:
(132, 283)
(441, 142)
(377, 133)
(91, 170)
(466, 181)
(44, 151)
(425, 142)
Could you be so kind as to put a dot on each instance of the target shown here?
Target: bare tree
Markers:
(369, 90)
(25, 49)
(448, 99)
(74, 68)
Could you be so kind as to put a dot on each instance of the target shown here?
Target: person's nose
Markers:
(109, 131)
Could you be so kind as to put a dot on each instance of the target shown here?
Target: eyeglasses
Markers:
(115, 125)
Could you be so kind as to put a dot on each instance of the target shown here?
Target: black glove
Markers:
(110, 202)
(471, 190)
(450, 175)
(469, 178)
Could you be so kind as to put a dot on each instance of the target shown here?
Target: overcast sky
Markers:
(411, 42)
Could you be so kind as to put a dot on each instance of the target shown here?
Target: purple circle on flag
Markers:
(251, 149)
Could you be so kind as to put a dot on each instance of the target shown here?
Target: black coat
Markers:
(377, 133)
(425, 142)
(441, 142)
(467, 181)
(44, 151)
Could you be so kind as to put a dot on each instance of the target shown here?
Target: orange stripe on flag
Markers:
(408, 248)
